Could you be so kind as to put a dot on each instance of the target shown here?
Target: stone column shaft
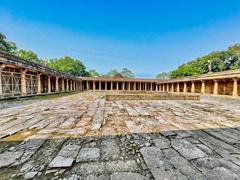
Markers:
(193, 87)
(63, 85)
(123, 86)
(94, 85)
(203, 87)
(185, 87)
(57, 87)
(111, 85)
(39, 83)
(23, 83)
(105, 85)
(117, 84)
(100, 85)
(67, 85)
(49, 84)
(172, 87)
(178, 87)
(215, 90)
(235, 87)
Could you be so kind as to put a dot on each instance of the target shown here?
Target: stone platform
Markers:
(83, 136)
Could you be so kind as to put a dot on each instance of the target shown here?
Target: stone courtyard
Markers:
(84, 136)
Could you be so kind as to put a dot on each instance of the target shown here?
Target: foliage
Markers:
(219, 60)
(163, 76)
(29, 55)
(125, 72)
(7, 46)
(93, 73)
(69, 65)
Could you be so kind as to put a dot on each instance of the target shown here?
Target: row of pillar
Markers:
(142, 86)
(169, 87)
(71, 85)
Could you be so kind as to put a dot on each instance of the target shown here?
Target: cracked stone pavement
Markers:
(83, 136)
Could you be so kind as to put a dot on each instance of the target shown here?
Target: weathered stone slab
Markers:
(127, 176)
(187, 149)
(88, 154)
(8, 158)
(109, 149)
(121, 166)
(65, 157)
(162, 143)
(159, 165)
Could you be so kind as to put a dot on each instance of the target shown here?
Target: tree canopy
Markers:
(216, 61)
(125, 72)
(163, 76)
(7, 46)
(69, 65)
(29, 55)
(93, 73)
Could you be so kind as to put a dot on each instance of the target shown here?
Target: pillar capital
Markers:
(235, 78)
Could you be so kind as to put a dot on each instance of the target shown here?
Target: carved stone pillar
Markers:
(129, 86)
(94, 85)
(23, 83)
(63, 85)
(235, 87)
(134, 86)
(111, 85)
(172, 87)
(39, 83)
(117, 84)
(178, 87)
(49, 84)
(105, 85)
(67, 85)
(100, 85)
(145, 88)
(215, 90)
(123, 86)
(193, 87)
(185, 87)
(57, 86)
(203, 87)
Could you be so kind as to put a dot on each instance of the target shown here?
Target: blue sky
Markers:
(147, 36)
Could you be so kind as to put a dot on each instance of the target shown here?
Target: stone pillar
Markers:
(94, 85)
(140, 86)
(39, 83)
(167, 87)
(203, 87)
(57, 87)
(172, 87)
(100, 85)
(151, 87)
(235, 87)
(193, 87)
(178, 87)
(123, 86)
(111, 85)
(49, 84)
(67, 85)
(134, 86)
(185, 87)
(215, 90)
(129, 86)
(87, 84)
(105, 85)
(145, 88)
(117, 86)
(23, 83)
(63, 85)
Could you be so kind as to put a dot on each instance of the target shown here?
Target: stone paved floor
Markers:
(82, 136)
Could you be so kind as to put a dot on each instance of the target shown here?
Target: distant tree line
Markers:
(65, 64)
(215, 62)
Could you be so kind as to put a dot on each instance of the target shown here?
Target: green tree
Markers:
(29, 55)
(111, 73)
(163, 76)
(69, 65)
(127, 73)
(7, 46)
(93, 73)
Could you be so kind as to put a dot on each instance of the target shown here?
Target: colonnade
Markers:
(18, 81)
(133, 85)
(216, 86)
